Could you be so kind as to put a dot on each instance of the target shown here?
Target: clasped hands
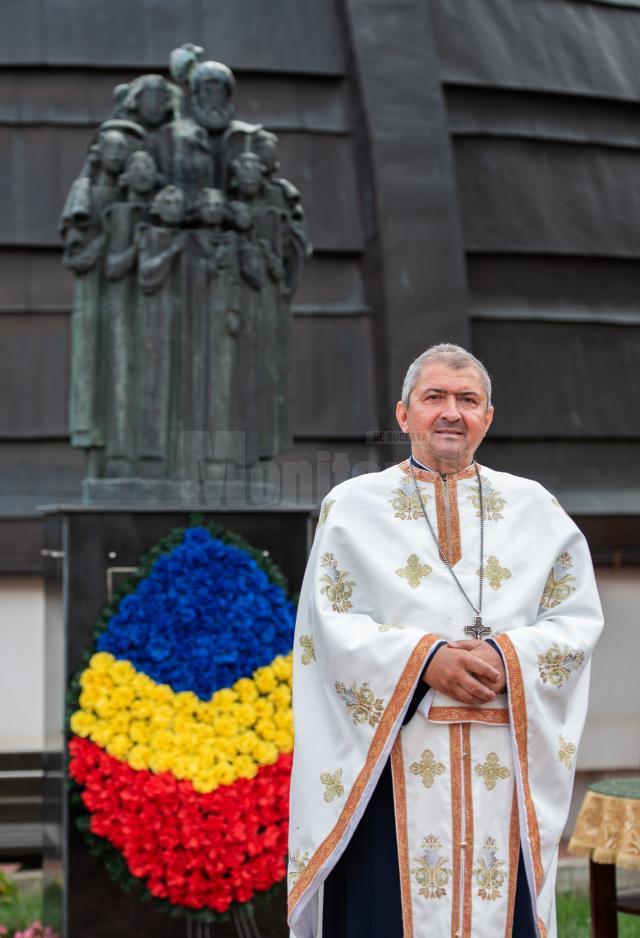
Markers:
(470, 671)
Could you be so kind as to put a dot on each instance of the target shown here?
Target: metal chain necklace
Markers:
(478, 630)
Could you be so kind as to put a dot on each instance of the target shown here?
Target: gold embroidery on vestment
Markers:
(414, 571)
(431, 872)
(492, 501)
(361, 702)
(448, 523)
(490, 771)
(327, 505)
(427, 768)
(489, 872)
(333, 785)
(559, 585)
(387, 626)
(405, 501)
(337, 587)
(404, 687)
(492, 715)
(297, 865)
(566, 752)
(557, 664)
(494, 574)
(308, 650)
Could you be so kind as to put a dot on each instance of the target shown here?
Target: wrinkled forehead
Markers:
(439, 375)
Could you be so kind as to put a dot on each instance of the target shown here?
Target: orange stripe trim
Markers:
(468, 831)
(400, 804)
(455, 544)
(518, 705)
(455, 750)
(514, 856)
(425, 476)
(398, 699)
(493, 716)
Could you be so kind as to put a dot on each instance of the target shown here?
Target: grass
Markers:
(573, 916)
(574, 920)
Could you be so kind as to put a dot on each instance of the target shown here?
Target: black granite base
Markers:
(85, 550)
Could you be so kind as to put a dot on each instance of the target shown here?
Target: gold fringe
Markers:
(608, 830)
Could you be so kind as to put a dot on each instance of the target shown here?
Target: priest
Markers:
(441, 669)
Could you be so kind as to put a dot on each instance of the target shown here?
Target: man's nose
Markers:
(451, 411)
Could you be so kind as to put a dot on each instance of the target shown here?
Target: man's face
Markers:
(447, 417)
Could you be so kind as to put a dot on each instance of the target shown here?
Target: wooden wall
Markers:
(470, 173)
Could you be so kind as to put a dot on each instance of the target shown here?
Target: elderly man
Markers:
(441, 672)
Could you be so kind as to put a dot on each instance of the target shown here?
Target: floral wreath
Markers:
(181, 729)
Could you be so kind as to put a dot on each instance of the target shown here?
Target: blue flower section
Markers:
(205, 616)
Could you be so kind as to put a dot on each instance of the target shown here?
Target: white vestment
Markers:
(470, 783)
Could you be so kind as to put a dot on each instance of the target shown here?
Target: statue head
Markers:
(120, 93)
(149, 100)
(182, 60)
(211, 206)
(140, 172)
(211, 85)
(265, 144)
(168, 206)
(112, 150)
(247, 174)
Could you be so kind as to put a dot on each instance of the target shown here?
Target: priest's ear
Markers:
(402, 416)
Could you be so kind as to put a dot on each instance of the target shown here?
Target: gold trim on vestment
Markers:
(455, 751)
(493, 716)
(397, 701)
(468, 831)
(424, 475)
(514, 856)
(518, 705)
(448, 526)
(400, 805)
(449, 536)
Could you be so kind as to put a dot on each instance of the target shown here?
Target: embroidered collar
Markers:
(428, 475)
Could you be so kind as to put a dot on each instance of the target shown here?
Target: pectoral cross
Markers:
(478, 630)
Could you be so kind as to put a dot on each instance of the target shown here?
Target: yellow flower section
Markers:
(210, 743)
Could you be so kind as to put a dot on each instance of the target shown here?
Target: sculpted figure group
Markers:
(186, 248)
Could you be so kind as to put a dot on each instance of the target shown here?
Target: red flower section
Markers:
(199, 851)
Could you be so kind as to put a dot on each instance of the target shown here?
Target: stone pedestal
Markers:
(85, 551)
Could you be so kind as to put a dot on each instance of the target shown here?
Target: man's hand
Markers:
(489, 655)
(465, 674)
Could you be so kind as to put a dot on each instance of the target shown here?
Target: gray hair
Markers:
(455, 357)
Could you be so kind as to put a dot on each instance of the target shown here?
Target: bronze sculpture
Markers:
(186, 250)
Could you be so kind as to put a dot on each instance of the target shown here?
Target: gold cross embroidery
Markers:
(414, 571)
